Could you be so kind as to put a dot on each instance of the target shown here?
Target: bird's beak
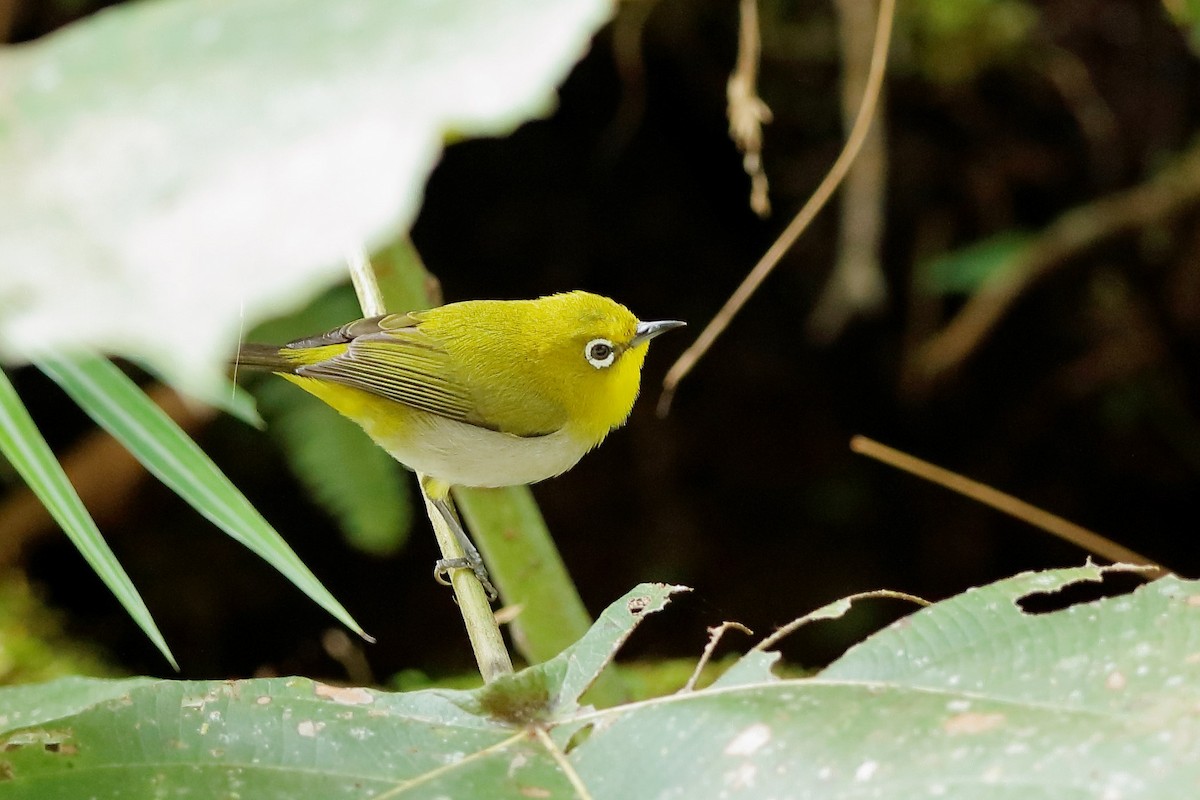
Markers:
(648, 330)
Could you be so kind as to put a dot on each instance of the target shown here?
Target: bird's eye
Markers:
(599, 353)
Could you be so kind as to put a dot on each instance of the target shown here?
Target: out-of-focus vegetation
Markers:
(34, 645)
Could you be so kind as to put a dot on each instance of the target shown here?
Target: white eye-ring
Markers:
(599, 353)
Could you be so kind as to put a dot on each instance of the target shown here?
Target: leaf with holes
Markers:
(969, 698)
(292, 737)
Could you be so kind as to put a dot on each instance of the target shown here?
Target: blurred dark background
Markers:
(999, 118)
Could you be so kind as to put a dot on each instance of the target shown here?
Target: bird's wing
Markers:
(391, 357)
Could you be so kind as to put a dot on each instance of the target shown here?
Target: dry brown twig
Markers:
(1051, 523)
(858, 134)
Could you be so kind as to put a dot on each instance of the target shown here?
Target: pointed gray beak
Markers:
(648, 330)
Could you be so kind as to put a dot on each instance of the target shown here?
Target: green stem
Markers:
(486, 641)
(482, 630)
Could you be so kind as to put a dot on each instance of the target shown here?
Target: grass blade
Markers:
(29, 454)
(115, 402)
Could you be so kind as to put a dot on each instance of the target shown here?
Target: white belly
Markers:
(465, 455)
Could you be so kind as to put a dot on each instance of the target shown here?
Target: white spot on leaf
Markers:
(309, 728)
(749, 740)
(866, 770)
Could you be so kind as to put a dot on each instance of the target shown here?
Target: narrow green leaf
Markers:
(964, 270)
(29, 454)
(120, 407)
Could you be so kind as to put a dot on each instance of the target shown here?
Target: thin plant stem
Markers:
(482, 630)
(486, 641)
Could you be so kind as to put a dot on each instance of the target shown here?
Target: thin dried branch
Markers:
(816, 202)
(1051, 523)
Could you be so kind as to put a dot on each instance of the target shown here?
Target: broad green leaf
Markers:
(963, 271)
(41, 704)
(355, 480)
(175, 170)
(121, 408)
(291, 737)
(970, 698)
(28, 453)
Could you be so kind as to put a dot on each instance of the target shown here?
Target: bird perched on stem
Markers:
(482, 393)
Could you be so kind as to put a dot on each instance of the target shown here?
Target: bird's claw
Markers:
(441, 573)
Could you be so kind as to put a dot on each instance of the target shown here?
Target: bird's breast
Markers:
(461, 454)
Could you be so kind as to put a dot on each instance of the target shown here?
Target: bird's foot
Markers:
(441, 573)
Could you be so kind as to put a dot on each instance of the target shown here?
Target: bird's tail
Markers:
(263, 356)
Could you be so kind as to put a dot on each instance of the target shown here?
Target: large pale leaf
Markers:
(172, 169)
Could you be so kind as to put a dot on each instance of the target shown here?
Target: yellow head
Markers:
(568, 360)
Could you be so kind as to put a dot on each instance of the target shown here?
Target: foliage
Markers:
(953, 42)
(972, 697)
(185, 155)
(175, 168)
(964, 270)
(33, 646)
(352, 478)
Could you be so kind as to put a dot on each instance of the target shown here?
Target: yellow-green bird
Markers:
(479, 393)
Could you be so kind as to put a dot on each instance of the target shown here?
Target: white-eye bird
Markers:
(478, 393)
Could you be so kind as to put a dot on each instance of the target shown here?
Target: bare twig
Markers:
(1170, 192)
(486, 642)
(366, 287)
(747, 111)
(714, 637)
(1051, 523)
(815, 203)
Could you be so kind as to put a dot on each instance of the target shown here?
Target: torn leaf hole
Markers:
(579, 737)
(1113, 584)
